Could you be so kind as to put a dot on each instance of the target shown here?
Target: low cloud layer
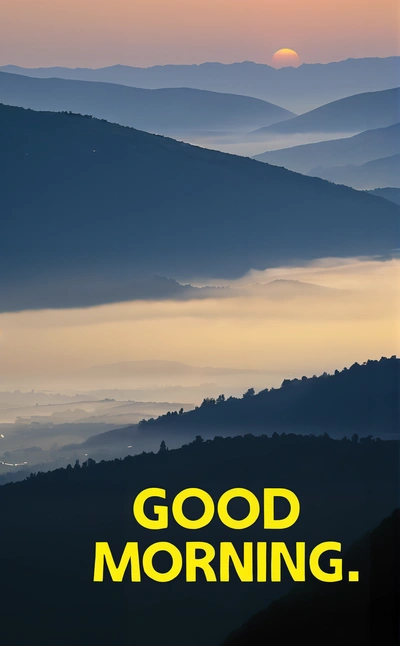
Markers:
(320, 316)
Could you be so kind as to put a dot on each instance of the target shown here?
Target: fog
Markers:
(349, 314)
(251, 144)
(67, 375)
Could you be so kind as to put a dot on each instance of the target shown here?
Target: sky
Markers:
(354, 319)
(95, 33)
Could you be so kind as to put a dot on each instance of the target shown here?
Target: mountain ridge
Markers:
(360, 148)
(361, 398)
(299, 89)
(355, 389)
(388, 193)
(354, 114)
(370, 175)
(170, 366)
(119, 199)
(160, 111)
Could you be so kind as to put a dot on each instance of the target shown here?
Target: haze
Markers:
(339, 312)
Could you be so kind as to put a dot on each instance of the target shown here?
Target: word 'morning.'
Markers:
(161, 512)
(258, 562)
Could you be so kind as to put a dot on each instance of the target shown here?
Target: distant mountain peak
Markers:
(297, 89)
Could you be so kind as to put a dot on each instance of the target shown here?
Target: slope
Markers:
(363, 398)
(87, 205)
(62, 514)
(374, 174)
(345, 613)
(359, 149)
(299, 89)
(164, 111)
(353, 114)
(391, 194)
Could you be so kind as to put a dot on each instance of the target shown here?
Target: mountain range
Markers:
(92, 292)
(362, 398)
(373, 174)
(154, 369)
(358, 149)
(89, 205)
(173, 111)
(391, 194)
(298, 89)
(352, 114)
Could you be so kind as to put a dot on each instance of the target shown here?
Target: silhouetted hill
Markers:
(156, 368)
(284, 289)
(173, 111)
(51, 522)
(349, 614)
(391, 194)
(361, 148)
(92, 292)
(356, 113)
(373, 174)
(121, 200)
(360, 398)
(298, 89)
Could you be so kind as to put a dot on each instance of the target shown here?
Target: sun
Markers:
(285, 58)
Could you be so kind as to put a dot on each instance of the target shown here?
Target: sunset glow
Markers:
(286, 57)
(95, 33)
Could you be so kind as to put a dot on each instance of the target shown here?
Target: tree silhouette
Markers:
(249, 393)
(163, 447)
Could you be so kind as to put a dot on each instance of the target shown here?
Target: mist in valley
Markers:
(70, 377)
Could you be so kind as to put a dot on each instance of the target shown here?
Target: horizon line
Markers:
(243, 62)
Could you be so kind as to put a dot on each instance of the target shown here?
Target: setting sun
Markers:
(285, 58)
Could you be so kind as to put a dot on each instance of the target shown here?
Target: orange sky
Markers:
(94, 33)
